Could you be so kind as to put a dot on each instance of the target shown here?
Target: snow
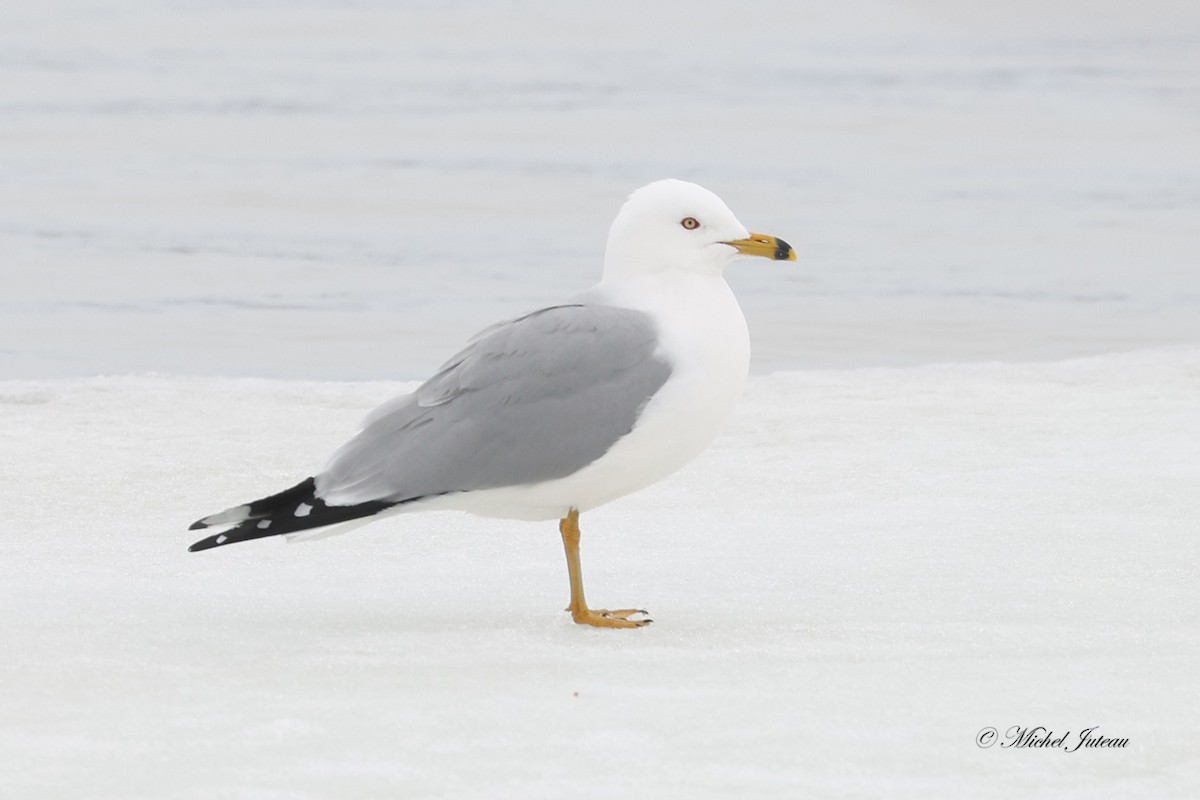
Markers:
(866, 569)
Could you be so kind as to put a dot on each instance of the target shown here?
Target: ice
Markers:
(869, 567)
(344, 191)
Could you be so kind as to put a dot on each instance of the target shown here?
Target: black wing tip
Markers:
(261, 507)
(232, 536)
(276, 515)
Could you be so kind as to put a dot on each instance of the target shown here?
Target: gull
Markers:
(561, 410)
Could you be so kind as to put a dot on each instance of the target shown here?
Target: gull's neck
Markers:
(654, 291)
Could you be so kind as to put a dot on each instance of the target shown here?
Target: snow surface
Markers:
(865, 570)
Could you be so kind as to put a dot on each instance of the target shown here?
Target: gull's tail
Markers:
(292, 510)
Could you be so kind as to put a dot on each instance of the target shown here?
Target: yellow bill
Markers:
(760, 244)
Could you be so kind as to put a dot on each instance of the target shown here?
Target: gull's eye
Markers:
(691, 223)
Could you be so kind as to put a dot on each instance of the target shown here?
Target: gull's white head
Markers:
(673, 225)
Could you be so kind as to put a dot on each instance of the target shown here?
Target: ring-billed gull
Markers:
(561, 410)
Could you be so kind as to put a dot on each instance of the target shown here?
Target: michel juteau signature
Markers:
(1024, 737)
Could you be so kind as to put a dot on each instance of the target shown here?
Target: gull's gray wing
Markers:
(536, 398)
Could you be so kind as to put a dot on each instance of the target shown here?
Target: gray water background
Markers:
(348, 190)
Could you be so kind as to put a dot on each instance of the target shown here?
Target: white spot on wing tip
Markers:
(303, 510)
(266, 523)
(222, 538)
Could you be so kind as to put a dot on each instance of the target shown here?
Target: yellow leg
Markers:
(568, 526)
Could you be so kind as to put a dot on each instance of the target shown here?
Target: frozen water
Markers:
(869, 567)
(346, 191)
